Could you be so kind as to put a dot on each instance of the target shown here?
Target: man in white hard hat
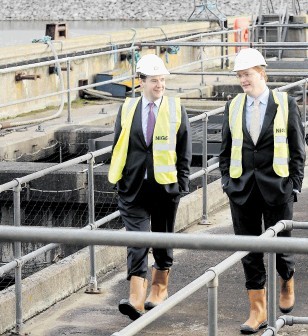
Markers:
(150, 165)
(262, 163)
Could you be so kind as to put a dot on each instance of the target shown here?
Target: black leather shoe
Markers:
(126, 308)
(247, 330)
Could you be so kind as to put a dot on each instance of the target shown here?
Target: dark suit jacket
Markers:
(140, 157)
(257, 160)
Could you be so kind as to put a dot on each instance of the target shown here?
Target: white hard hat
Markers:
(248, 58)
(151, 65)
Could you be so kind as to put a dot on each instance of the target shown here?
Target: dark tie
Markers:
(150, 124)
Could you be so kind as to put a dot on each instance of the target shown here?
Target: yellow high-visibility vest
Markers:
(164, 140)
(280, 131)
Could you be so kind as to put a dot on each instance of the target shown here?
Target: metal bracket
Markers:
(23, 76)
(92, 288)
(40, 128)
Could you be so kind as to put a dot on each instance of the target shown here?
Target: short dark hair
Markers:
(142, 76)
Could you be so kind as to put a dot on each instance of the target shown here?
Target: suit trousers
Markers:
(247, 220)
(152, 209)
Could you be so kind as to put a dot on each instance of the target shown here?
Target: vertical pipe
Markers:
(272, 290)
(60, 153)
(204, 219)
(92, 288)
(68, 72)
(227, 50)
(265, 37)
(238, 33)
(260, 11)
(202, 62)
(17, 255)
(212, 307)
(133, 73)
(222, 52)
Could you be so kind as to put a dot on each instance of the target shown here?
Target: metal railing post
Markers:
(202, 62)
(133, 73)
(69, 102)
(17, 255)
(272, 290)
(225, 35)
(92, 288)
(222, 54)
(204, 219)
(212, 306)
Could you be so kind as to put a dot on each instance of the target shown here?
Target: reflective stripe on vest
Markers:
(236, 120)
(281, 149)
(164, 140)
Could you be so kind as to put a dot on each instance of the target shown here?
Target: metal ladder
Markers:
(211, 7)
(270, 24)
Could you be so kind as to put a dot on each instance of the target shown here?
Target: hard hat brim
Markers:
(155, 73)
(243, 67)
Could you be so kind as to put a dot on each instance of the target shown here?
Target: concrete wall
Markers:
(119, 9)
(58, 281)
(85, 69)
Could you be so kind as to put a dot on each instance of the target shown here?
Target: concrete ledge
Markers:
(58, 281)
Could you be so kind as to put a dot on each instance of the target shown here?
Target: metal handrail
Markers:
(62, 60)
(263, 243)
(191, 241)
(267, 45)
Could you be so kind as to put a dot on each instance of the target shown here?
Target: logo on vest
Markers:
(161, 137)
(280, 130)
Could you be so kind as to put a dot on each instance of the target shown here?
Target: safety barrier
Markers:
(242, 244)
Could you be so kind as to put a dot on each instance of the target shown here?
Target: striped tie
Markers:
(150, 124)
(255, 122)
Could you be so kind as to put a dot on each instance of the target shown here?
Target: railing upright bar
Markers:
(69, 102)
(133, 73)
(272, 290)
(17, 255)
(226, 51)
(92, 288)
(212, 307)
(204, 219)
(202, 62)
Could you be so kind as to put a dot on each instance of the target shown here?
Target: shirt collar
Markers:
(145, 102)
(263, 98)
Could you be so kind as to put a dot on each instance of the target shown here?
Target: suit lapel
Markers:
(137, 123)
(270, 114)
